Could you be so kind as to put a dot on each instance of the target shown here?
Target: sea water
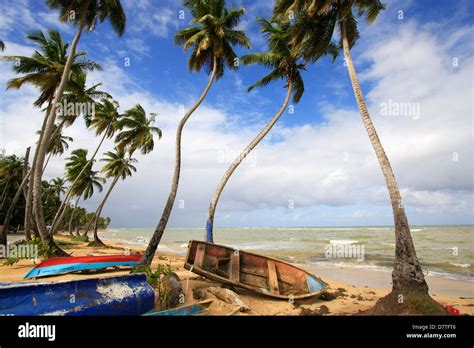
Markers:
(446, 251)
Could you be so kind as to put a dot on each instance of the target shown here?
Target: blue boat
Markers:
(119, 295)
(197, 309)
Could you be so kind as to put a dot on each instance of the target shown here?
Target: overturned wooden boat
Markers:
(263, 274)
(63, 265)
(120, 295)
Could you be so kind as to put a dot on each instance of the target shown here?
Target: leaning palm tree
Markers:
(59, 186)
(285, 66)
(137, 130)
(44, 70)
(407, 275)
(212, 41)
(89, 13)
(105, 122)
(12, 176)
(78, 92)
(82, 181)
(119, 166)
(58, 144)
(136, 133)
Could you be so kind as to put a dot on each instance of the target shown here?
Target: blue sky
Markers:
(318, 157)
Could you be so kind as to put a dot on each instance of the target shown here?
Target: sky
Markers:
(317, 166)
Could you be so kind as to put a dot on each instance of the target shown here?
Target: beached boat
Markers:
(62, 265)
(265, 275)
(120, 295)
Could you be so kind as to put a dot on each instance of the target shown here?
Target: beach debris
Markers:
(452, 310)
(228, 296)
(329, 296)
(222, 294)
(323, 310)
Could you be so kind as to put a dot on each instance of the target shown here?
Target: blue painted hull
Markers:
(193, 310)
(121, 295)
(74, 267)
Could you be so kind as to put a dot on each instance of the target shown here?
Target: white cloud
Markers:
(328, 171)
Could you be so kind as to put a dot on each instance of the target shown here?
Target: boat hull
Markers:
(120, 295)
(266, 275)
(63, 265)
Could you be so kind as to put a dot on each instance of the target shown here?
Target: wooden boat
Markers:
(62, 265)
(265, 275)
(119, 295)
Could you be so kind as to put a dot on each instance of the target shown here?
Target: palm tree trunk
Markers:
(47, 161)
(10, 211)
(58, 129)
(43, 146)
(156, 238)
(407, 273)
(26, 175)
(72, 215)
(59, 214)
(4, 194)
(236, 163)
(29, 219)
(99, 209)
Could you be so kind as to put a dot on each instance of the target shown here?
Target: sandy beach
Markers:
(357, 290)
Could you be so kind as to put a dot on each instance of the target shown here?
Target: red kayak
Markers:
(62, 265)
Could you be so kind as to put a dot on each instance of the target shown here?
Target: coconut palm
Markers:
(44, 70)
(82, 181)
(119, 166)
(105, 123)
(78, 92)
(58, 144)
(285, 66)
(58, 185)
(136, 131)
(407, 274)
(84, 15)
(212, 40)
(11, 177)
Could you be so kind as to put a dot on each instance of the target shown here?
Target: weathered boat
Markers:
(265, 275)
(62, 265)
(120, 295)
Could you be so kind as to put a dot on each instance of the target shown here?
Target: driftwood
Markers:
(222, 294)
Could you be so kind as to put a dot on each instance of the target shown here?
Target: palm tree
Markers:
(11, 178)
(58, 144)
(211, 41)
(105, 123)
(59, 186)
(118, 166)
(136, 133)
(285, 66)
(77, 92)
(44, 70)
(82, 181)
(89, 13)
(139, 131)
(407, 274)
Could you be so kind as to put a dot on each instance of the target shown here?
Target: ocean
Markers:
(444, 251)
